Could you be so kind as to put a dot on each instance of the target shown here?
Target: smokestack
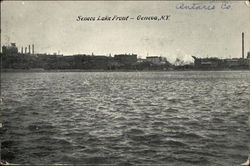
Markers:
(29, 49)
(22, 50)
(25, 50)
(33, 51)
(242, 45)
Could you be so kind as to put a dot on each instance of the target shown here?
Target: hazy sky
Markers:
(52, 27)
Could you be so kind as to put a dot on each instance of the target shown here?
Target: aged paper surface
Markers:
(125, 82)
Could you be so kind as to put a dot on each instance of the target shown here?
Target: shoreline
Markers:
(100, 70)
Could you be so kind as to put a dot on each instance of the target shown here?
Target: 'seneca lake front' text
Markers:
(123, 18)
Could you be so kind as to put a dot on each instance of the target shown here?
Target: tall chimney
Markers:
(242, 45)
(33, 51)
(22, 50)
(25, 50)
(29, 49)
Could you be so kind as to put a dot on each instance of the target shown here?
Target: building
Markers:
(157, 60)
(126, 59)
(207, 63)
(216, 63)
(92, 62)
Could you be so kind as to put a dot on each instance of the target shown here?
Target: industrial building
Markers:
(126, 59)
(157, 60)
(216, 63)
(92, 62)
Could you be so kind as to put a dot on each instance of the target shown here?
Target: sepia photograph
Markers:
(125, 83)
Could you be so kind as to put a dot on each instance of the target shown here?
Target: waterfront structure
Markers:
(206, 63)
(157, 60)
(216, 63)
(92, 61)
(126, 59)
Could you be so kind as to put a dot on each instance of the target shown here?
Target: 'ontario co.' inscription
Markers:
(123, 18)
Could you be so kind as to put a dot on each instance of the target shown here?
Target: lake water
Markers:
(187, 118)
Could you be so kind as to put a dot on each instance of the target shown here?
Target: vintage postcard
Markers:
(125, 83)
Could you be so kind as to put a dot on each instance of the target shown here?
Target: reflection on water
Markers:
(118, 117)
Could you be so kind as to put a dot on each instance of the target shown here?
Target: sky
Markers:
(52, 26)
